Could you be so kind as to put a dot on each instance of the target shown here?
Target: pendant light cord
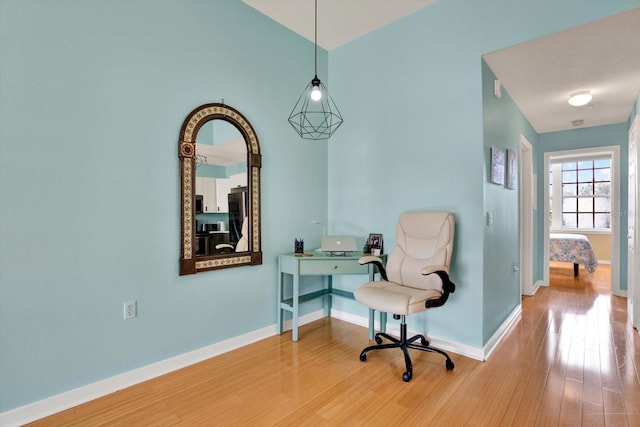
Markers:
(316, 41)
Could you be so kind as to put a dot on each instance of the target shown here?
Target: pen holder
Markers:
(299, 246)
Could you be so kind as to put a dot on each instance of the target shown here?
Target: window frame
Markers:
(556, 184)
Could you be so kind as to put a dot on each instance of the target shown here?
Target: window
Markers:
(580, 192)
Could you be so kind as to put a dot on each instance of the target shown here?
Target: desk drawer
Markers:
(330, 266)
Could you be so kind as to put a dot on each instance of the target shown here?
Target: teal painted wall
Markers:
(93, 97)
(503, 124)
(598, 136)
(93, 94)
(411, 96)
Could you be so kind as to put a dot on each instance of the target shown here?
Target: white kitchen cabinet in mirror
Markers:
(223, 186)
(206, 187)
(238, 180)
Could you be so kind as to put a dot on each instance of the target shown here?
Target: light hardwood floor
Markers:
(571, 359)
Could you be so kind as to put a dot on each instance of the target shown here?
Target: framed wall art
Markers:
(512, 164)
(497, 166)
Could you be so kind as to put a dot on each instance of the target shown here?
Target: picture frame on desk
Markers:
(375, 244)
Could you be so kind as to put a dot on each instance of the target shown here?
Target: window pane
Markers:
(585, 176)
(571, 176)
(603, 221)
(569, 166)
(602, 188)
(569, 220)
(585, 221)
(585, 189)
(588, 164)
(569, 204)
(569, 189)
(602, 163)
(602, 204)
(603, 174)
(585, 204)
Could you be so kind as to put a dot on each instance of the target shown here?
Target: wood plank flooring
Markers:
(572, 359)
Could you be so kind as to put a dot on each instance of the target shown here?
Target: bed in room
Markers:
(573, 248)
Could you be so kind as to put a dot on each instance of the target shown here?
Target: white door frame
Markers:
(614, 152)
(633, 254)
(527, 198)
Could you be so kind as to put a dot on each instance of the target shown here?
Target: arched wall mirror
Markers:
(220, 165)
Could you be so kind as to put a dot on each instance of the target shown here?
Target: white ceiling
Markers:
(602, 56)
(339, 21)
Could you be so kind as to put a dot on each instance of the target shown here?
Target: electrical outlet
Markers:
(130, 310)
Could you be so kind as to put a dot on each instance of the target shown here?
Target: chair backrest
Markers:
(243, 243)
(423, 239)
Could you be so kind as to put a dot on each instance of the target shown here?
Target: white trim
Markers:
(614, 152)
(60, 402)
(526, 216)
(502, 331)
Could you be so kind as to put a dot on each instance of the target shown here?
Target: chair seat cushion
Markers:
(393, 298)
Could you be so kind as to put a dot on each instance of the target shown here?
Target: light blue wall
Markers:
(599, 136)
(93, 94)
(411, 96)
(503, 124)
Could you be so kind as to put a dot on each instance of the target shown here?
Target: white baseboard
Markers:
(502, 331)
(60, 402)
(444, 344)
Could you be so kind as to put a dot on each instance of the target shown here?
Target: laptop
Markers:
(338, 244)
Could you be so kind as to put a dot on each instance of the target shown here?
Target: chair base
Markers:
(405, 344)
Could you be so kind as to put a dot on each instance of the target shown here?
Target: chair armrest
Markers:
(370, 259)
(433, 268)
(448, 287)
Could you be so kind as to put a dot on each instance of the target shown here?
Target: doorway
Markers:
(612, 152)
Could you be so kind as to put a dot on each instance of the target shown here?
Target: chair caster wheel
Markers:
(450, 365)
(378, 340)
(424, 342)
(406, 377)
(363, 357)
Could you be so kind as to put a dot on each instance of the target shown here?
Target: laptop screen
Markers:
(338, 244)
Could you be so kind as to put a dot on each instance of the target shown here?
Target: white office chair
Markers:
(243, 243)
(416, 279)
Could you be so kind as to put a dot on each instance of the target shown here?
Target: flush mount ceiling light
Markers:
(315, 115)
(578, 99)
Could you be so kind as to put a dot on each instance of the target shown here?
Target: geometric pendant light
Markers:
(315, 115)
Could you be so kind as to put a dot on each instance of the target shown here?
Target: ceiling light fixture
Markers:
(578, 99)
(315, 115)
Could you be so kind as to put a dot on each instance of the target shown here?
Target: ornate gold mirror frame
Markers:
(189, 263)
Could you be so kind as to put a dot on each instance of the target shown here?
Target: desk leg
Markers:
(295, 304)
(280, 323)
(327, 298)
(372, 318)
(383, 321)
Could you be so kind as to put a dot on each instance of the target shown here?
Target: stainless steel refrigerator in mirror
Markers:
(238, 206)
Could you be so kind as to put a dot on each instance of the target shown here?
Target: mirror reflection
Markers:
(220, 164)
(221, 193)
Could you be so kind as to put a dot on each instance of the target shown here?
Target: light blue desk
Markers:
(319, 264)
